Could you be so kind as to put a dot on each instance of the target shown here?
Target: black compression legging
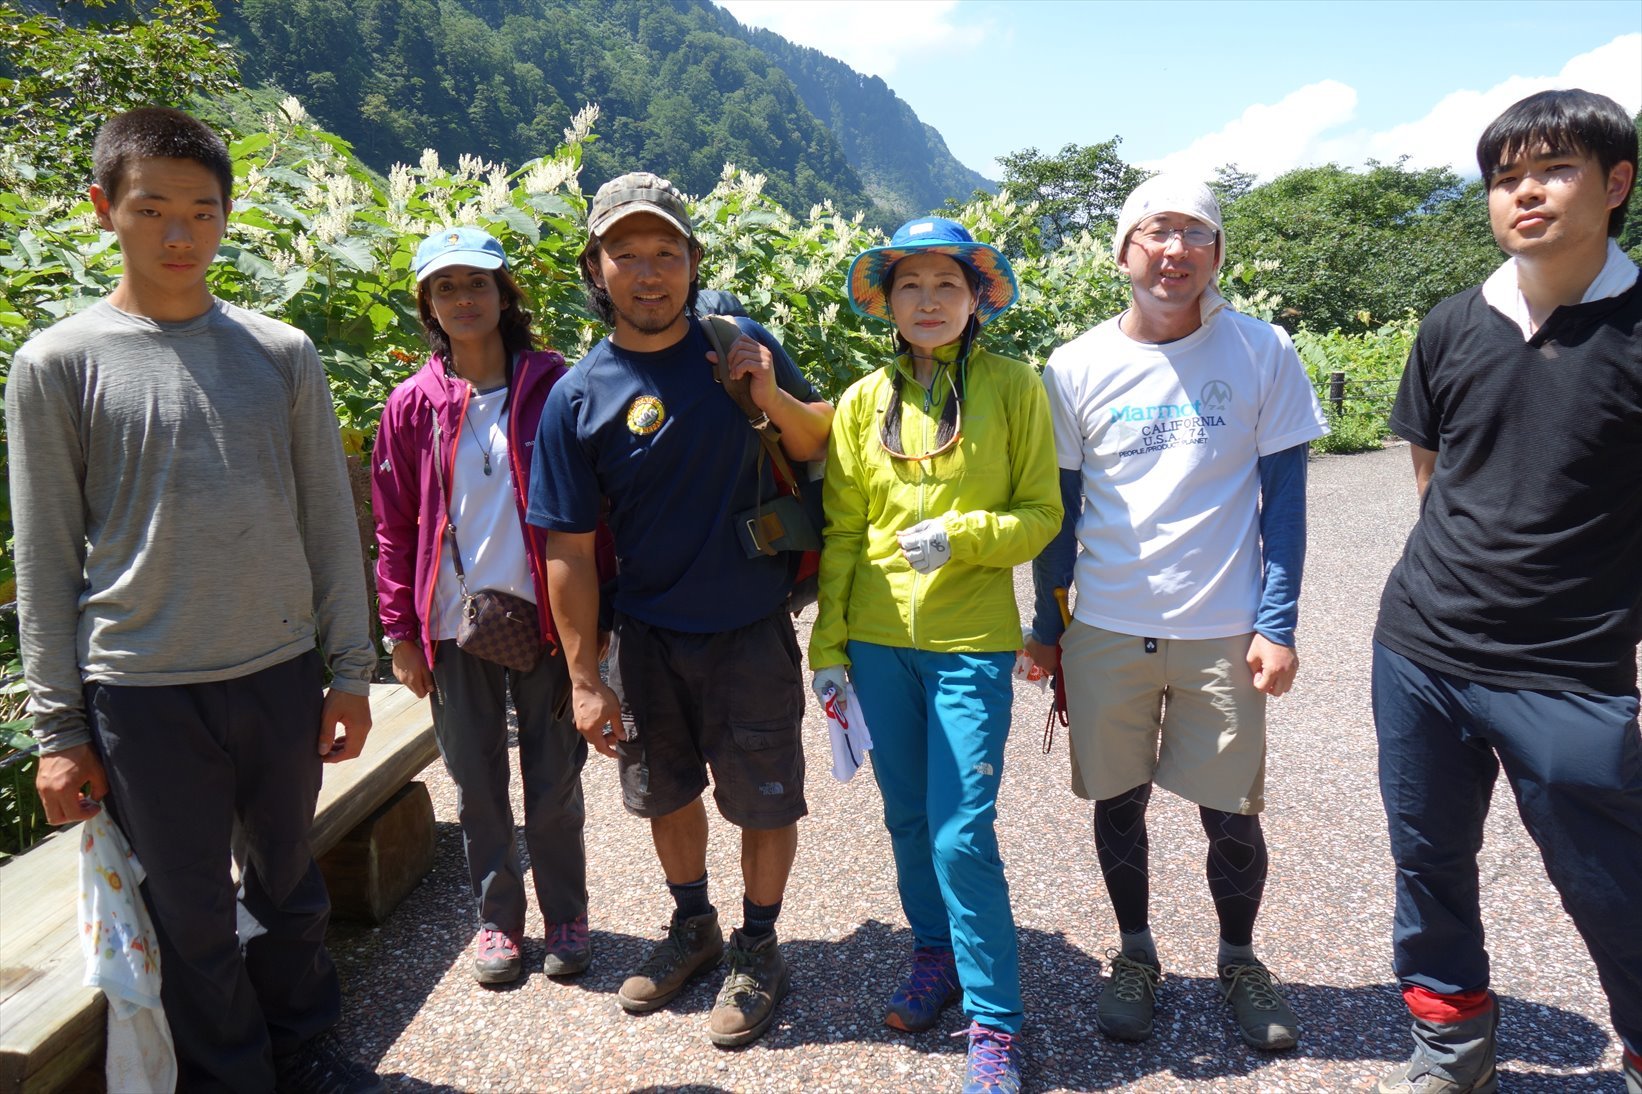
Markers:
(1236, 866)
(1236, 870)
(1120, 843)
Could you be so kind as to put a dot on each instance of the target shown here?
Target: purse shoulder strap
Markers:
(444, 490)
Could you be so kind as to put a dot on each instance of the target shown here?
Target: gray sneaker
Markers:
(1631, 1068)
(692, 946)
(1449, 1058)
(1124, 1009)
(1264, 1019)
(757, 981)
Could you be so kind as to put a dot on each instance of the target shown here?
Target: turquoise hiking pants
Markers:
(938, 723)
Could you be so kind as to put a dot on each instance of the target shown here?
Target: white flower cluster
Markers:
(401, 185)
(548, 174)
(582, 124)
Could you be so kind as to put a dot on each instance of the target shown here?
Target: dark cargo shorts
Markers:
(731, 703)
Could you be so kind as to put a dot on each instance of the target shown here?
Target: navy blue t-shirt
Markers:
(677, 458)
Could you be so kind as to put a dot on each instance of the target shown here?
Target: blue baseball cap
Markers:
(465, 246)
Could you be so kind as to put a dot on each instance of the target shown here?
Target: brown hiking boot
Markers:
(757, 981)
(692, 946)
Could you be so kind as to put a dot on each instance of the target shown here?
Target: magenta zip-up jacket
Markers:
(409, 506)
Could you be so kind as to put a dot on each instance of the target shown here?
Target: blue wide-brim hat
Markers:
(940, 236)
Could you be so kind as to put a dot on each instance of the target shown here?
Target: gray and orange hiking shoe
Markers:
(756, 982)
(931, 983)
(1264, 1018)
(1449, 1058)
(496, 957)
(692, 946)
(1124, 1009)
(569, 950)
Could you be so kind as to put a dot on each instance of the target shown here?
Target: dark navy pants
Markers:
(187, 765)
(1574, 762)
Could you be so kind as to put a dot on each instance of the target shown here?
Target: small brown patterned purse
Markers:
(496, 626)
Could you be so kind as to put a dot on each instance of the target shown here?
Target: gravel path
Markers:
(413, 1008)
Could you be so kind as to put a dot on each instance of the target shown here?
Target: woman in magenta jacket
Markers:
(484, 384)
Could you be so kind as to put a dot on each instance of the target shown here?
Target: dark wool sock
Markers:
(758, 920)
(691, 898)
(1236, 870)
(1120, 843)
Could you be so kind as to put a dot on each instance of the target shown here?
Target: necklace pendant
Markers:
(487, 463)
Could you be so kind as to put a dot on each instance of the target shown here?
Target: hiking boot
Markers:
(496, 959)
(994, 1062)
(1449, 1058)
(757, 981)
(692, 946)
(1264, 1019)
(321, 1067)
(1124, 1009)
(1631, 1068)
(930, 985)
(569, 950)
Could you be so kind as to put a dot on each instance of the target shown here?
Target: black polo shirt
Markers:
(1525, 567)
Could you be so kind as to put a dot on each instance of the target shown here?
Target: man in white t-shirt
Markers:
(1181, 427)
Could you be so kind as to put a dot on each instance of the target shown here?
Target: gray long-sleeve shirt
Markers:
(181, 506)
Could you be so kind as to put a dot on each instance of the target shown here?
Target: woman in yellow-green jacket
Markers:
(940, 480)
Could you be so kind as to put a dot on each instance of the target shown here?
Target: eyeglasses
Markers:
(951, 443)
(1194, 236)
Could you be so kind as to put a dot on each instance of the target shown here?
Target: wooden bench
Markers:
(51, 1026)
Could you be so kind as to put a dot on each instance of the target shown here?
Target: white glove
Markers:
(925, 545)
(831, 679)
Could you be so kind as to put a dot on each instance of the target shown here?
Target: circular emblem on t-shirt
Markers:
(645, 415)
(1215, 396)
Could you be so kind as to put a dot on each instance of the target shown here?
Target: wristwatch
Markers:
(388, 643)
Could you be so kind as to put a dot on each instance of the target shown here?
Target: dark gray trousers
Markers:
(186, 763)
(470, 723)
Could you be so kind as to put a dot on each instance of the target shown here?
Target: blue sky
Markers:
(1190, 85)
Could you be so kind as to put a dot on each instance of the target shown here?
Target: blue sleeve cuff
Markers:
(1282, 542)
(1052, 569)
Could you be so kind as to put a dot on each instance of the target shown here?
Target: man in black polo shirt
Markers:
(1508, 632)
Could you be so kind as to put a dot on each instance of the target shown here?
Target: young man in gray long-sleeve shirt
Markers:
(185, 533)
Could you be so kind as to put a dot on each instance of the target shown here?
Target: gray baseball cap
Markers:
(638, 192)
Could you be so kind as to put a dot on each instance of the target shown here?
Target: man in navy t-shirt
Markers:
(1508, 631)
(704, 666)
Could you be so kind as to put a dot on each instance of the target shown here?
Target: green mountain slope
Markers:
(904, 163)
(682, 89)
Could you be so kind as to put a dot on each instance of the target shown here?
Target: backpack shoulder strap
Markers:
(721, 332)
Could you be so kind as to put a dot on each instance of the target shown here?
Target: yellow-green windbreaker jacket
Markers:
(997, 491)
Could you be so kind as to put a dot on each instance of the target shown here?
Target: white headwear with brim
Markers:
(1174, 194)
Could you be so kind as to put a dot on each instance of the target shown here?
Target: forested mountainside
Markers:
(904, 163)
(682, 88)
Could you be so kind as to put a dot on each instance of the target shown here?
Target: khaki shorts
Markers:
(1124, 693)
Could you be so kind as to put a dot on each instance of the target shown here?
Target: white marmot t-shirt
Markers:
(1167, 437)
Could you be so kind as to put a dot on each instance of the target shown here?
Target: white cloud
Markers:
(1309, 126)
(871, 36)
(1268, 139)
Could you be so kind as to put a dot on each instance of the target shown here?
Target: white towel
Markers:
(848, 728)
(123, 959)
